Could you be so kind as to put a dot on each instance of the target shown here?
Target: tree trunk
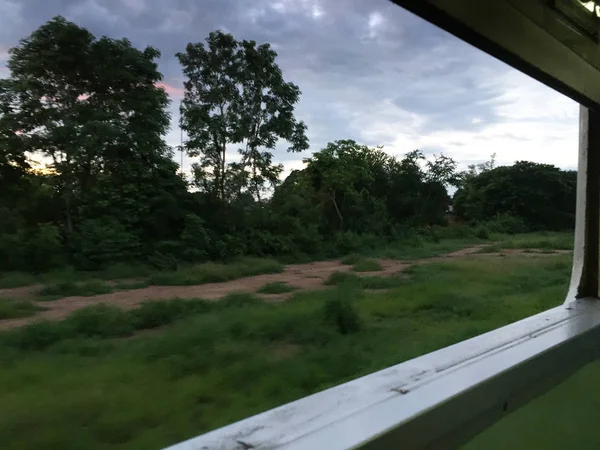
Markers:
(337, 210)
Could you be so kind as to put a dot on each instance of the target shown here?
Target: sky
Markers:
(368, 70)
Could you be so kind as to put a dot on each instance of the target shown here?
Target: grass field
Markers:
(147, 378)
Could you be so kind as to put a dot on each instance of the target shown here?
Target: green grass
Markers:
(275, 287)
(367, 265)
(351, 259)
(364, 282)
(493, 248)
(422, 248)
(15, 279)
(14, 309)
(91, 382)
(542, 241)
(72, 288)
(216, 272)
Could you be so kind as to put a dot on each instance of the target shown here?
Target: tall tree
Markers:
(235, 94)
(91, 106)
(541, 195)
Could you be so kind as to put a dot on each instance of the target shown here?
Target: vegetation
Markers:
(275, 287)
(70, 288)
(109, 192)
(108, 209)
(207, 352)
(214, 272)
(367, 265)
(14, 309)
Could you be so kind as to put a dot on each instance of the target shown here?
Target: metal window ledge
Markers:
(434, 401)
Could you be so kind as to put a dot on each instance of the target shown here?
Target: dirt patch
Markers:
(301, 276)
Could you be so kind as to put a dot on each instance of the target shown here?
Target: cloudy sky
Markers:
(368, 71)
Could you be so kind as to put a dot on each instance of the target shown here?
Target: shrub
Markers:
(16, 279)
(351, 259)
(13, 309)
(275, 287)
(506, 223)
(72, 288)
(367, 265)
(37, 336)
(104, 241)
(101, 321)
(238, 300)
(157, 313)
(341, 313)
(216, 272)
(337, 278)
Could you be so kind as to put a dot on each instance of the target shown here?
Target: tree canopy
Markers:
(109, 191)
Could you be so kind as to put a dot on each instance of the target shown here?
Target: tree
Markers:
(89, 105)
(541, 195)
(235, 94)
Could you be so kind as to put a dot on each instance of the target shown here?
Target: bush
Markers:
(216, 272)
(16, 279)
(506, 223)
(157, 313)
(195, 239)
(13, 309)
(275, 287)
(341, 313)
(72, 288)
(239, 300)
(36, 249)
(102, 242)
(37, 336)
(346, 278)
(351, 259)
(367, 265)
(337, 278)
(101, 321)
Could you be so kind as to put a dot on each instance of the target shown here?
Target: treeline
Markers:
(109, 191)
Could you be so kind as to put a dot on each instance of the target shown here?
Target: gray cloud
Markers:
(369, 70)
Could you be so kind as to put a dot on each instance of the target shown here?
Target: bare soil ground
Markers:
(309, 276)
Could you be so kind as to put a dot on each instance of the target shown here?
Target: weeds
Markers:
(15, 279)
(14, 309)
(351, 259)
(215, 272)
(220, 360)
(367, 265)
(364, 282)
(71, 288)
(275, 287)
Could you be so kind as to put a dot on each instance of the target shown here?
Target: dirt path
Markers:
(301, 276)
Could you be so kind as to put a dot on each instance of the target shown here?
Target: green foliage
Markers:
(13, 309)
(15, 279)
(544, 241)
(351, 259)
(157, 313)
(275, 287)
(341, 312)
(73, 288)
(541, 196)
(214, 272)
(365, 282)
(235, 94)
(100, 243)
(367, 265)
(224, 364)
(102, 321)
